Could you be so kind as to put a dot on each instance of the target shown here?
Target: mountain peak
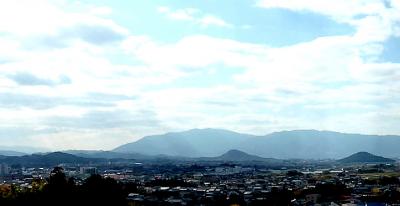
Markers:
(237, 155)
(365, 157)
(210, 130)
(235, 152)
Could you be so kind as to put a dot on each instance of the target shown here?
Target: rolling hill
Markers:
(237, 155)
(365, 157)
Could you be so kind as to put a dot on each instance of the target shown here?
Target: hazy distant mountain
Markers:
(24, 149)
(312, 144)
(11, 153)
(49, 159)
(305, 144)
(365, 157)
(106, 154)
(192, 143)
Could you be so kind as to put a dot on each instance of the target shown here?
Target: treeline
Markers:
(60, 190)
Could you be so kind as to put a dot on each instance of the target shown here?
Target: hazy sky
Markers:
(96, 74)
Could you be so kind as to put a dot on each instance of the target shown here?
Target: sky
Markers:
(98, 74)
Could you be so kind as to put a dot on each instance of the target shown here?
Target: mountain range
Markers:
(303, 144)
(191, 143)
(49, 159)
(20, 150)
(196, 143)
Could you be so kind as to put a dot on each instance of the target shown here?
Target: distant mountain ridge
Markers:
(49, 159)
(11, 153)
(365, 157)
(21, 150)
(303, 144)
(106, 154)
(313, 144)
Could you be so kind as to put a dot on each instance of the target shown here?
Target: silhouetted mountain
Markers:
(365, 157)
(192, 143)
(49, 159)
(302, 144)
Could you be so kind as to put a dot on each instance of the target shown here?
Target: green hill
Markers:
(365, 157)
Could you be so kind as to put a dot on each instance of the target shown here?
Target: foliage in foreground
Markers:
(59, 190)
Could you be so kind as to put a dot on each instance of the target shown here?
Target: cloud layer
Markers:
(72, 76)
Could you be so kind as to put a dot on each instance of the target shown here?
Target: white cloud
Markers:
(163, 9)
(326, 59)
(45, 18)
(30, 74)
(196, 51)
(194, 15)
(101, 11)
(375, 20)
(297, 76)
(341, 9)
(213, 20)
(315, 84)
(183, 14)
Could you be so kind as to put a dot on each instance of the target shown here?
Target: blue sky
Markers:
(275, 27)
(97, 74)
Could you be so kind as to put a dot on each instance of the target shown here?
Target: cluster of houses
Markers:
(231, 184)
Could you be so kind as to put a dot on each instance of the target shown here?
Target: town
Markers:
(226, 183)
